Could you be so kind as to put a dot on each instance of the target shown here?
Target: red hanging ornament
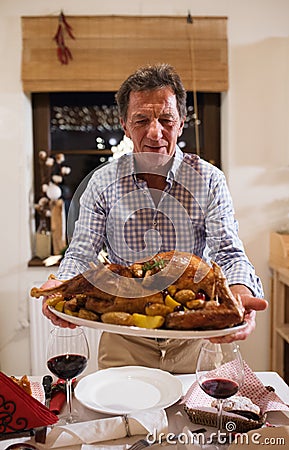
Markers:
(63, 52)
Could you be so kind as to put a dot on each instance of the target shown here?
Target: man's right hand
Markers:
(49, 314)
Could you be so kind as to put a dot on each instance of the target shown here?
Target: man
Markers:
(158, 199)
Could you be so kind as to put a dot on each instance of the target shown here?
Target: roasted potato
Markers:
(157, 309)
(117, 318)
(88, 315)
(184, 295)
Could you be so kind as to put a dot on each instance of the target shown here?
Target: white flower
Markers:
(44, 187)
(53, 191)
(65, 170)
(59, 158)
(42, 155)
(49, 162)
(43, 201)
(51, 175)
(57, 179)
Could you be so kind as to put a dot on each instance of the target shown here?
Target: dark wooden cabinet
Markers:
(280, 321)
(71, 122)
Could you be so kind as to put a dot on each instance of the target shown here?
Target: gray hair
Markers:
(152, 77)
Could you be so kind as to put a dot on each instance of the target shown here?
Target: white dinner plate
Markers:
(148, 332)
(123, 390)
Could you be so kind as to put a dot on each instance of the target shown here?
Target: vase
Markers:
(43, 240)
(58, 230)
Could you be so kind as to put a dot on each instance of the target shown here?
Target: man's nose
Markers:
(155, 130)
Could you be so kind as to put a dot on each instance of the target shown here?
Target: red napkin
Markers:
(20, 411)
(58, 397)
(57, 401)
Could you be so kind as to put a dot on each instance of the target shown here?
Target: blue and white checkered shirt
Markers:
(194, 214)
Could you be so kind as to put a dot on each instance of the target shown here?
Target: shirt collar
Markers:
(177, 160)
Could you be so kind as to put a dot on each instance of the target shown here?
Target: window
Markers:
(85, 126)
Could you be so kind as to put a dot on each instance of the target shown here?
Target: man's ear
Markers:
(181, 127)
(124, 127)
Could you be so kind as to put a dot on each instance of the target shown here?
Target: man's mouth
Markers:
(155, 148)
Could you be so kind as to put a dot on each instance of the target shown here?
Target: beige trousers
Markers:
(172, 355)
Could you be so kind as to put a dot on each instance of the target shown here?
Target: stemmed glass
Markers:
(220, 373)
(67, 357)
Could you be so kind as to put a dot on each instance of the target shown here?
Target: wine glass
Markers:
(220, 374)
(67, 357)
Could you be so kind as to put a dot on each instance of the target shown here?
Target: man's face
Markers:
(153, 123)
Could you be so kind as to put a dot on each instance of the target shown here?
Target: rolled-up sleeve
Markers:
(225, 246)
(88, 235)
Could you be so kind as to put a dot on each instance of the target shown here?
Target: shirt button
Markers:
(155, 223)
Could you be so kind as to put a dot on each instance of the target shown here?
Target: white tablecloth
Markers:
(178, 420)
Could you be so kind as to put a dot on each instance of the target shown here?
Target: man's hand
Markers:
(251, 305)
(47, 313)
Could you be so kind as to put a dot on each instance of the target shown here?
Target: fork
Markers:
(143, 443)
(140, 444)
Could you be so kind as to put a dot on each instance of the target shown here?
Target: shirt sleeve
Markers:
(223, 242)
(88, 235)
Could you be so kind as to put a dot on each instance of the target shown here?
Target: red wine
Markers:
(220, 387)
(67, 366)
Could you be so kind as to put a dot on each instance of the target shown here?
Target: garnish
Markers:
(154, 264)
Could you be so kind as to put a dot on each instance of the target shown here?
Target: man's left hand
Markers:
(251, 305)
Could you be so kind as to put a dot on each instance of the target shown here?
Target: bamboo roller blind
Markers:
(107, 49)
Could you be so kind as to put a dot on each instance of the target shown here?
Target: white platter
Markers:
(147, 332)
(123, 390)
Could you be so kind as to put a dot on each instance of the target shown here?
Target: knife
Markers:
(47, 385)
(17, 434)
(40, 433)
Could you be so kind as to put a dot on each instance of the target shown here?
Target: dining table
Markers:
(178, 420)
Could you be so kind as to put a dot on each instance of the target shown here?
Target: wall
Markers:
(255, 147)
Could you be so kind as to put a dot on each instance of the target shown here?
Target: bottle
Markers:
(43, 240)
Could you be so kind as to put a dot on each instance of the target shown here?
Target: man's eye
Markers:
(167, 121)
(141, 121)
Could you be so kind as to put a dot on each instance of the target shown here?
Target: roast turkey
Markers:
(189, 293)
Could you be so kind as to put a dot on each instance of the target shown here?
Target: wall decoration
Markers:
(63, 52)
